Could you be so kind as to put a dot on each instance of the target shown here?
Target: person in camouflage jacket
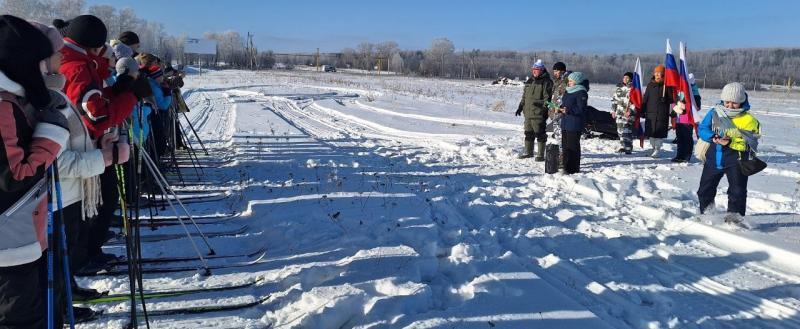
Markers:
(622, 111)
(537, 92)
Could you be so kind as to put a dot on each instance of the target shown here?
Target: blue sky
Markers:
(585, 26)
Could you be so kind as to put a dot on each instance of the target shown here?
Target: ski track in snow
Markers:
(389, 203)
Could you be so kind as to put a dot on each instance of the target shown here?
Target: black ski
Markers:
(162, 260)
(173, 269)
(172, 236)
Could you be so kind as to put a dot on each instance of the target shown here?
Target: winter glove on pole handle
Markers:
(124, 83)
(141, 88)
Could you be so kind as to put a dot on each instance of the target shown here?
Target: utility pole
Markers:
(317, 59)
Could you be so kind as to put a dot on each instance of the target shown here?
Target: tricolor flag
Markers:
(635, 98)
(685, 87)
(671, 75)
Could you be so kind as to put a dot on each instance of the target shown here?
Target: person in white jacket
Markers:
(79, 167)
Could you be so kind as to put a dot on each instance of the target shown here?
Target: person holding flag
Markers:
(622, 113)
(636, 101)
(655, 109)
(685, 110)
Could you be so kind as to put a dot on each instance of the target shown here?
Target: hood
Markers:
(72, 52)
(9, 85)
(544, 75)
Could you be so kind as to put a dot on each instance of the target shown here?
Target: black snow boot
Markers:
(539, 152)
(528, 152)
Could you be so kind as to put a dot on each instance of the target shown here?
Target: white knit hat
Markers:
(127, 65)
(733, 92)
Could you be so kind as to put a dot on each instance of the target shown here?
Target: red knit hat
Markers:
(659, 68)
(154, 71)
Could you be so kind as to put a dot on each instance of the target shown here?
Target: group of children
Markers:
(73, 109)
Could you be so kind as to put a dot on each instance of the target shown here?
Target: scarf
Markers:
(721, 124)
(575, 88)
(90, 189)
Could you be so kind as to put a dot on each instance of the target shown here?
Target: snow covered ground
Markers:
(396, 202)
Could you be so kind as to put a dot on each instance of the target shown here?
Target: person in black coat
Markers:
(656, 110)
(573, 109)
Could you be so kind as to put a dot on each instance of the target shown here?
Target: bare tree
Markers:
(365, 54)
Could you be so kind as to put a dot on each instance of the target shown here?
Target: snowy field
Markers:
(395, 202)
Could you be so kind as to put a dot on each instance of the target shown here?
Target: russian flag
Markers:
(685, 87)
(636, 100)
(671, 75)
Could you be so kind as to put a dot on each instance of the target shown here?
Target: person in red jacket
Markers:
(104, 111)
(103, 108)
(33, 132)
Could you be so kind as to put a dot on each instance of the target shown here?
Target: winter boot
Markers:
(732, 218)
(656, 143)
(84, 314)
(528, 153)
(84, 294)
(540, 152)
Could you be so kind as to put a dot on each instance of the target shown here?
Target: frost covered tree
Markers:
(439, 51)
(396, 63)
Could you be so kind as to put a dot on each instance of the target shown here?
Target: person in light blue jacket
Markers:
(159, 105)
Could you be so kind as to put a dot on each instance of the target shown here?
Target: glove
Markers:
(123, 152)
(518, 113)
(108, 153)
(124, 84)
(141, 87)
(51, 114)
(679, 107)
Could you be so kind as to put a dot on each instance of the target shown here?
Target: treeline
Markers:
(152, 36)
(712, 68)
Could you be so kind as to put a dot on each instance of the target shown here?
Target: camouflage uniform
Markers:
(620, 104)
(559, 89)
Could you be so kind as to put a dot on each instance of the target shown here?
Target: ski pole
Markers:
(64, 250)
(154, 172)
(163, 184)
(50, 247)
(132, 195)
(128, 244)
(195, 133)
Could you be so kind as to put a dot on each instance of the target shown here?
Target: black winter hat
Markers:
(628, 74)
(129, 38)
(22, 47)
(559, 66)
(87, 30)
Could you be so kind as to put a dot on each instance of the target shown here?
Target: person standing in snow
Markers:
(695, 90)
(684, 127)
(103, 110)
(538, 90)
(560, 74)
(656, 110)
(79, 165)
(573, 112)
(33, 131)
(622, 111)
(733, 132)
